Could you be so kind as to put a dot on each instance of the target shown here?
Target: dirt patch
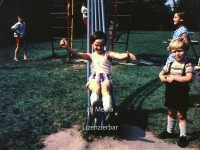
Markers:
(133, 138)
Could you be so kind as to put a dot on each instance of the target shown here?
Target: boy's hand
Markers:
(170, 78)
(163, 78)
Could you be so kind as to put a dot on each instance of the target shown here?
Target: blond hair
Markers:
(178, 43)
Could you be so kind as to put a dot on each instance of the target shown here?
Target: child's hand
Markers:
(63, 43)
(163, 78)
(132, 57)
(170, 78)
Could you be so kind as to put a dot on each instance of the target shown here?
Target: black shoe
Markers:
(165, 135)
(182, 141)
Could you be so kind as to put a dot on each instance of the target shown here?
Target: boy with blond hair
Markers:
(176, 76)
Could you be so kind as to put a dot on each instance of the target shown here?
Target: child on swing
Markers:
(100, 78)
(176, 76)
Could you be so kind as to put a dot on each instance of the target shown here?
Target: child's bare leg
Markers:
(95, 88)
(16, 52)
(25, 52)
(106, 95)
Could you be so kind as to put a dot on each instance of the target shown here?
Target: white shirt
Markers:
(84, 11)
(20, 28)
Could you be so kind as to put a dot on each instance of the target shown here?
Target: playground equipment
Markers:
(62, 16)
(97, 21)
(119, 19)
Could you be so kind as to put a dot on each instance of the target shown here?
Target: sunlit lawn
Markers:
(46, 94)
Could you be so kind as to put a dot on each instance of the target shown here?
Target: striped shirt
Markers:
(177, 69)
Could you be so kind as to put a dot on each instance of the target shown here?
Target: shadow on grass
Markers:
(159, 60)
(137, 116)
(194, 136)
(55, 56)
(38, 63)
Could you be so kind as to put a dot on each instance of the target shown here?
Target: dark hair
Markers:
(20, 16)
(98, 35)
(182, 15)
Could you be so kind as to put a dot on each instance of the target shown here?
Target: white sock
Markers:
(170, 124)
(183, 129)
(94, 98)
(107, 102)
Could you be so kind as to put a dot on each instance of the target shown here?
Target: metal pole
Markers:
(95, 15)
(92, 17)
(88, 45)
(99, 15)
(72, 24)
(69, 27)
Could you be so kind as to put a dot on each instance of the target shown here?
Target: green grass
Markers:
(45, 94)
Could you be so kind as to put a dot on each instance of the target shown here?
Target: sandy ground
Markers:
(134, 139)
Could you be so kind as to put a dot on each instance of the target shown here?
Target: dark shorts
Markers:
(177, 96)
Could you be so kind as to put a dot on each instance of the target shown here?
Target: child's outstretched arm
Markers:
(126, 55)
(64, 44)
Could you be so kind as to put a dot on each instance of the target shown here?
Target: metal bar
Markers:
(99, 15)
(68, 5)
(50, 25)
(128, 31)
(92, 17)
(88, 46)
(103, 16)
(72, 24)
(95, 15)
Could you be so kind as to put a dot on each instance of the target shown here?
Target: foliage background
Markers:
(147, 15)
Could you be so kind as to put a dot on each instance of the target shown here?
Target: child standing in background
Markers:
(84, 13)
(19, 30)
(176, 76)
(181, 31)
